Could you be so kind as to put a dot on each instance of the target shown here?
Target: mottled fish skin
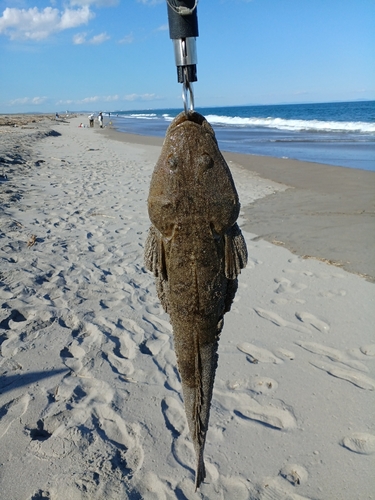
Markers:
(196, 251)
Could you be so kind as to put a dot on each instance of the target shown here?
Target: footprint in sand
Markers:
(11, 411)
(155, 344)
(368, 350)
(284, 353)
(295, 474)
(262, 385)
(117, 333)
(82, 410)
(50, 439)
(279, 321)
(73, 355)
(268, 415)
(312, 320)
(287, 286)
(330, 294)
(252, 262)
(183, 452)
(274, 489)
(258, 354)
(333, 355)
(120, 365)
(10, 323)
(232, 487)
(115, 428)
(352, 376)
(246, 408)
(282, 301)
(6, 295)
(172, 376)
(360, 442)
(157, 323)
(128, 348)
(174, 415)
(41, 495)
(151, 486)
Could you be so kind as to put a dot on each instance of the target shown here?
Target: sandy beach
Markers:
(90, 396)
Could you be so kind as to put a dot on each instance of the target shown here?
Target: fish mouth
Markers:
(187, 117)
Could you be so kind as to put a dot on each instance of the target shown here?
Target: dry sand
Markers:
(90, 400)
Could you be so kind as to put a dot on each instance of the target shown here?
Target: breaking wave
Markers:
(292, 125)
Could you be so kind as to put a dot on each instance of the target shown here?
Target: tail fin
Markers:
(200, 472)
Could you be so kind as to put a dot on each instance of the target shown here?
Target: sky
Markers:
(113, 55)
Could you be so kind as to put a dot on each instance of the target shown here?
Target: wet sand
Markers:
(328, 213)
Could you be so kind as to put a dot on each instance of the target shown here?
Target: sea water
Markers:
(339, 133)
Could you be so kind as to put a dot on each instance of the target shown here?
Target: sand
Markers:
(325, 212)
(90, 397)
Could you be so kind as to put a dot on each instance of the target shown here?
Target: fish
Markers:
(195, 249)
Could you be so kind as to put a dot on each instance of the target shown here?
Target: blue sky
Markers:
(116, 54)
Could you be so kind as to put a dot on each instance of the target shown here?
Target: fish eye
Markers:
(205, 162)
(172, 162)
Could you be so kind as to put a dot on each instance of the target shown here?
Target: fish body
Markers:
(196, 250)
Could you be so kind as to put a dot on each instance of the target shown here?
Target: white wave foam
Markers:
(292, 125)
(142, 116)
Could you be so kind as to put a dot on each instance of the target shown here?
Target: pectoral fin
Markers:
(155, 261)
(235, 252)
(151, 251)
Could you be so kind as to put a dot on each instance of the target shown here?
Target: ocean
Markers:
(339, 133)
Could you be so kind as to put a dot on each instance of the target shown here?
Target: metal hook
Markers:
(187, 87)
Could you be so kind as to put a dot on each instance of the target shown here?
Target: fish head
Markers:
(191, 182)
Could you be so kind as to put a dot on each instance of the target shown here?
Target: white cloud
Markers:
(35, 24)
(98, 3)
(140, 97)
(89, 99)
(150, 2)
(28, 100)
(98, 39)
(38, 100)
(68, 101)
(80, 39)
(108, 98)
(127, 39)
(73, 18)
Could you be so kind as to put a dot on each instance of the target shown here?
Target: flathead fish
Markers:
(196, 251)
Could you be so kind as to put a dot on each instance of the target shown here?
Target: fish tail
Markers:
(197, 431)
(200, 430)
(200, 472)
(197, 401)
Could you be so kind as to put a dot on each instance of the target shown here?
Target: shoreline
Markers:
(320, 211)
(328, 214)
(90, 396)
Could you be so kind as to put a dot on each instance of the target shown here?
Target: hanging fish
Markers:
(196, 251)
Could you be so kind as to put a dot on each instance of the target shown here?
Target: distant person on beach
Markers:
(56, 116)
(91, 120)
(100, 119)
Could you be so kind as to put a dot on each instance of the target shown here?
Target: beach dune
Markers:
(90, 396)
